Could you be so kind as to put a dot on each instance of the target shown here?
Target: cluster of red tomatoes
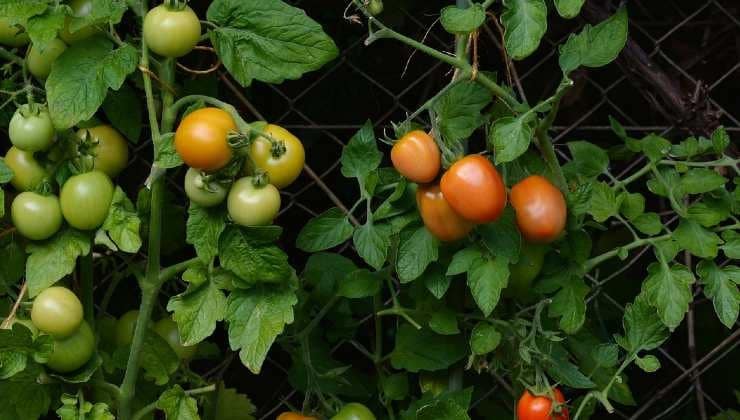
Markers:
(472, 192)
(202, 141)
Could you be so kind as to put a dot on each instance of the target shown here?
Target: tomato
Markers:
(80, 8)
(39, 62)
(110, 151)
(31, 129)
(86, 199)
(283, 169)
(525, 271)
(10, 36)
(202, 194)
(27, 172)
(433, 382)
(532, 407)
(72, 352)
(125, 328)
(167, 329)
(439, 218)
(57, 311)
(37, 217)
(170, 32)
(250, 205)
(375, 7)
(290, 415)
(540, 208)
(416, 157)
(474, 188)
(201, 138)
(354, 411)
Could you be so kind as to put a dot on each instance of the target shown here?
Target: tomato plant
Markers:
(85, 200)
(201, 138)
(541, 407)
(171, 32)
(253, 205)
(57, 311)
(107, 151)
(280, 154)
(37, 217)
(416, 157)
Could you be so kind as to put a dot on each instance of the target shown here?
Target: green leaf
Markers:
(463, 260)
(691, 147)
(701, 180)
(569, 8)
(361, 155)
(23, 397)
(633, 206)
(668, 289)
(267, 40)
(569, 304)
(709, 212)
(484, 338)
(204, 228)
(444, 322)
(721, 286)
(486, 278)
(731, 248)
(604, 202)
(563, 370)
(595, 46)
(648, 223)
(6, 174)
(525, 22)
(43, 28)
(447, 410)
(54, 258)
(230, 405)
(643, 329)
(18, 11)
(256, 317)
(102, 13)
(130, 122)
(252, 259)
(697, 239)
(436, 281)
(360, 284)
(158, 359)
(396, 386)
(415, 253)
(81, 76)
(429, 403)
(502, 237)
(122, 223)
(197, 310)
(589, 160)
(167, 156)
(324, 271)
(456, 20)
(510, 137)
(14, 263)
(459, 109)
(178, 405)
(648, 363)
(422, 349)
(372, 244)
(327, 230)
(720, 140)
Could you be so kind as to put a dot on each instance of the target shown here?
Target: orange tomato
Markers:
(474, 189)
(289, 415)
(201, 139)
(540, 209)
(439, 218)
(540, 407)
(416, 157)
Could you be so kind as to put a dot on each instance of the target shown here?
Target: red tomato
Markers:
(474, 189)
(540, 209)
(439, 218)
(416, 157)
(540, 407)
(201, 139)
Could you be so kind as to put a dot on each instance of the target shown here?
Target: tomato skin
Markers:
(39, 62)
(196, 190)
(125, 328)
(57, 311)
(531, 407)
(201, 139)
(9, 35)
(523, 273)
(375, 7)
(249, 205)
(27, 171)
(282, 170)
(111, 149)
(29, 131)
(86, 199)
(416, 157)
(439, 218)
(354, 411)
(474, 188)
(541, 212)
(37, 217)
(167, 329)
(171, 33)
(72, 352)
(80, 8)
(290, 415)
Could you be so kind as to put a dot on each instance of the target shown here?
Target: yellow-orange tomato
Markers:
(416, 157)
(439, 218)
(474, 189)
(201, 139)
(540, 209)
(290, 415)
(284, 169)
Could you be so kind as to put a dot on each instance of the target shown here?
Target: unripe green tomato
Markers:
(86, 199)
(354, 411)
(10, 36)
(57, 311)
(433, 382)
(73, 352)
(27, 171)
(196, 190)
(167, 329)
(249, 205)
(111, 150)
(125, 328)
(31, 129)
(39, 62)
(375, 7)
(37, 217)
(171, 33)
(80, 8)
(523, 273)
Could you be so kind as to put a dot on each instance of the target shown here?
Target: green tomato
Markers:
(37, 217)
(171, 33)
(39, 62)
(125, 328)
(523, 273)
(201, 194)
(375, 7)
(73, 352)
(433, 382)
(80, 9)
(110, 151)
(249, 205)
(86, 199)
(31, 129)
(10, 36)
(354, 411)
(167, 329)
(57, 311)
(27, 172)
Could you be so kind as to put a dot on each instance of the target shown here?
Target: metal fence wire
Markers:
(679, 76)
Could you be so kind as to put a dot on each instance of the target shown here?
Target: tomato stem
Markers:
(86, 280)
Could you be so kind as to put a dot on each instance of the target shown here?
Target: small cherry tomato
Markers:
(375, 7)
(525, 271)
(57, 311)
(201, 139)
(540, 208)
(72, 352)
(286, 167)
(86, 200)
(27, 172)
(474, 188)
(433, 382)
(290, 415)
(171, 32)
(36, 216)
(39, 62)
(167, 329)
(416, 157)
(110, 151)
(532, 407)
(354, 411)
(439, 218)
(125, 328)
(80, 9)
(10, 36)
(202, 194)
(251, 205)
(31, 129)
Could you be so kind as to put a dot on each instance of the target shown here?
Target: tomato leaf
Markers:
(604, 202)
(444, 322)
(372, 243)
(204, 228)
(569, 8)
(502, 237)
(484, 338)
(459, 398)
(486, 278)
(230, 405)
(14, 263)
(436, 281)
(129, 122)
(23, 396)
(447, 410)
(197, 310)
(122, 223)
(19, 11)
(360, 284)
(178, 405)
(697, 239)
(324, 271)
(668, 289)
(648, 363)
(643, 329)
(424, 350)
(327, 230)
(731, 248)
(632, 206)
(595, 46)
(720, 140)
(456, 20)
(43, 28)
(361, 155)
(6, 174)
(701, 180)
(721, 286)
(525, 22)
(648, 223)
(569, 304)
(54, 258)
(102, 13)
(589, 160)
(251, 259)
(510, 137)
(463, 260)
(459, 110)
(416, 251)
(83, 374)
(158, 359)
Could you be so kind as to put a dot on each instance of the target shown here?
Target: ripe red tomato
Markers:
(540, 407)
(201, 140)
(540, 209)
(474, 188)
(290, 415)
(439, 218)
(416, 157)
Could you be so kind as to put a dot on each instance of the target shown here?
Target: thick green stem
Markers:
(544, 143)
(593, 262)
(86, 283)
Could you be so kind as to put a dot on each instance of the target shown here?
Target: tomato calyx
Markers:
(175, 5)
(260, 179)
